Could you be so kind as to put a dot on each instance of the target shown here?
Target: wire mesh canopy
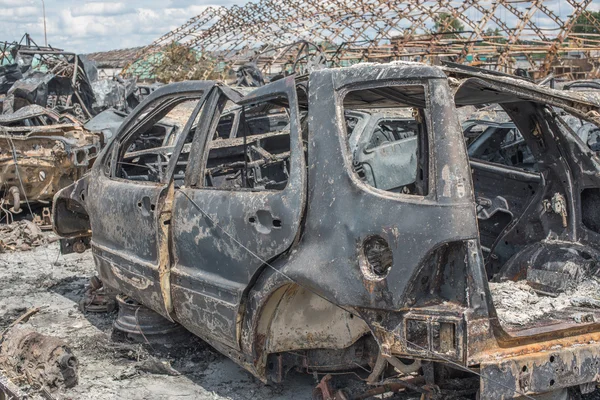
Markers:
(284, 36)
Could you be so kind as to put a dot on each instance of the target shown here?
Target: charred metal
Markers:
(53, 123)
(347, 219)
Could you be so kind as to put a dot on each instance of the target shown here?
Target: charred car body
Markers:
(46, 96)
(335, 240)
(41, 152)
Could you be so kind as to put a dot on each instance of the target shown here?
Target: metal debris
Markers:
(8, 390)
(42, 151)
(52, 78)
(139, 323)
(21, 236)
(42, 361)
(98, 298)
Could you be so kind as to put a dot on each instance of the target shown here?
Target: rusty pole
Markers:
(44, 12)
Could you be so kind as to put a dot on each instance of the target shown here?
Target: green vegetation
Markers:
(584, 25)
(495, 35)
(450, 26)
(180, 63)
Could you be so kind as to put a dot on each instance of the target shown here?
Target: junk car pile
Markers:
(46, 97)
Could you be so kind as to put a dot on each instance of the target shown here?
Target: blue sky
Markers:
(88, 26)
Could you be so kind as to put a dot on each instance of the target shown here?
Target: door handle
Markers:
(264, 222)
(146, 206)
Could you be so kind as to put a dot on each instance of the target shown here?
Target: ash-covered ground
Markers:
(108, 369)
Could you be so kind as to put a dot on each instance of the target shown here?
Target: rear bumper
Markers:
(540, 372)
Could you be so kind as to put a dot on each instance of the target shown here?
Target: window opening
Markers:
(257, 155)
(145, 154)
(498, 141)
(389, 147)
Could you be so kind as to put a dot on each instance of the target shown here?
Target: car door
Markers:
(241, 207)
(127, 193)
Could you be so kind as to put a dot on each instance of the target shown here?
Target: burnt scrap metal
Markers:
(97, 298)
(106, 123)
(116, 93)
(140, 324)
(50, 77)
(41, 361)
(520, 37)
(47, 95)
(337, 220)
(41, 152)
(60, 80)
(9, 390)
(20, 236)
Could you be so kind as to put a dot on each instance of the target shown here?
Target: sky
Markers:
(89, 26)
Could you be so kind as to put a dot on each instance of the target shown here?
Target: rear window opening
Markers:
(386, 132)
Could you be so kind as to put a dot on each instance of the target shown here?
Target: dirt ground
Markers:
(42, 277)
(109, 369)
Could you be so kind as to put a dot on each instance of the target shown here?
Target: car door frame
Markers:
(209, 301)
(130, 241)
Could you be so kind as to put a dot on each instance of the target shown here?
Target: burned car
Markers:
(47, 95)
(41, 152)
(355, 232)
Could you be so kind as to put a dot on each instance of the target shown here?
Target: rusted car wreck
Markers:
(335, 222)
(41, 152)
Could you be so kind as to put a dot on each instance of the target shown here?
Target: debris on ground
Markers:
(97, 298)
(111, 369)
(517, 303)
(155, 366)
(42, 361)
(21, 236)
(23, 318)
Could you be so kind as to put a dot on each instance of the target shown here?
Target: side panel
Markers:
(343, 212)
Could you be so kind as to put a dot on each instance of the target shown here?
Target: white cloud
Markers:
(89, 26)
(21, 13)
(101, 9)
(10, 3)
